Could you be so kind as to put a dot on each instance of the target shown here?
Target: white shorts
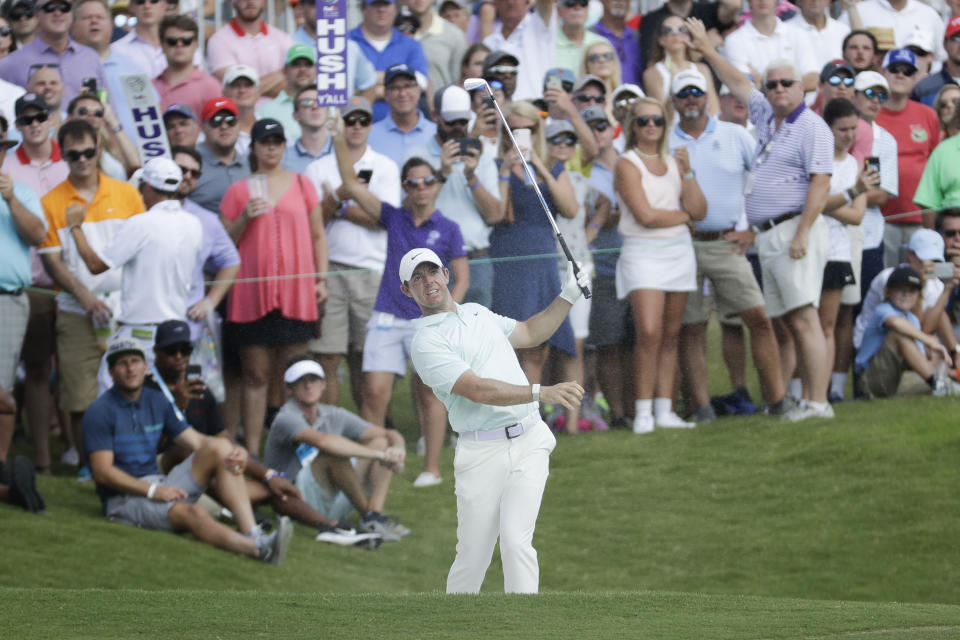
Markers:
(662, 264)
(387, 346)
(790, 284)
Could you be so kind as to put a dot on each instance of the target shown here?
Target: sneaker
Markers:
(806, 409)
(427, 479)
(944, 386)
(741, 403)
(84, 474)
(781, 407)
(619, 423)
(643, 424)
(273, 547)
(71, 457)
(23, 485)
(390, 530)
(822, 411)
(349, 537)
(703, 415)
(670, 420)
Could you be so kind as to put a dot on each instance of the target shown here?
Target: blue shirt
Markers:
(131, 430)
(927, 89)
(436, 233)
(387, 138)
(15, 266)
(720, 157)
(607, 240)
(876, 332)
(216, 252)
(296, 158)
(76, 63)
(400, 49)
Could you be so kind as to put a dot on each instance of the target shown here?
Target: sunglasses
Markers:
(183, 349)
(601, 57)
(457, 123)
(73, 155)
(902, 69)
(141, 2)
(62, 7)
(361, 121)
(83, 111)
(570, 4)
(658, 121)
(786, 83)
(504, 69)
(189, 173)
(172, 42)
(601, 125)
(873, 94)
(837, 80)
(217, 121)
(26, 121)
(582, 97)
(686, 92)
(950, 233)
(20, 15)
(669, 31)
(955, 39)
(5, 31)
(307, 103)
(413, 183)
(563, 141)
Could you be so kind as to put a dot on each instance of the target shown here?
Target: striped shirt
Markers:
(785, 159)
(721, 158)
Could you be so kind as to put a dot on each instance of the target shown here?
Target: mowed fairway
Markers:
(743, 528)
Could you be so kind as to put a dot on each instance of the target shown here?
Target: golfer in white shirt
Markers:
(465, 353)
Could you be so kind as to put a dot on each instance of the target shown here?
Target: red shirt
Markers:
(917, 132)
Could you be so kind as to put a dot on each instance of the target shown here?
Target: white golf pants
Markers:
(499, 486)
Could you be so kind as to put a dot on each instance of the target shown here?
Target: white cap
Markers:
(920, 39)
(626, 88)
(122, 346)
(454, 104)
(688, 78)
(240, 71)
(868, 79)
(927, 244)
(162, 174)
(302, 368)
(415, 257)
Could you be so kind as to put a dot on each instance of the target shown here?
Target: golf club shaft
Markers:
(536, 188)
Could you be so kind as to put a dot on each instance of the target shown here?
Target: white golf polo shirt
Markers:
(446, 345)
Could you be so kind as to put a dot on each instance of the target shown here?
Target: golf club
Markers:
(472, 84)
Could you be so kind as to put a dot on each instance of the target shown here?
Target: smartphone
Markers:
(553, 82)
(522, 136)
(470, 143)
(194, 372)
(943, 270)
(365, 175)
(872, 161)
(90, 84)
(488, 102)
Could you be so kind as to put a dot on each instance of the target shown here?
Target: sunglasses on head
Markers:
(786, 83)
(189, 173)
(362, 121)
(84, 111)
(902, 69)
(658, 121)
(563, 141)
(623, 103)
(873, 94)
(172, 42)
(5, 31)
(413, 183)
(74, 155)
(26, 121)
(504, 69)
(583, 97)
(601, 57)
(219, 120)
(183, 349)
(669, 31)
(62, 7)
(570, 4)
(686, 92)
(837, 80)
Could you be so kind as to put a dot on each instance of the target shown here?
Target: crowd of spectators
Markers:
(786, 167)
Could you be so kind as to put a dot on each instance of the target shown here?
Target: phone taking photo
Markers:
(872, 162)
(194, 372)
(469, 143)
(365, 174)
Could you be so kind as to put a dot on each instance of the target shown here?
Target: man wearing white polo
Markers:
(465, 353)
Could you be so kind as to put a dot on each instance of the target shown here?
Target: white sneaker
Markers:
(944, 386)
(801, 411)
(427, 479)
(824, 411)
(670, 420)
(70, 457)
(643, 424)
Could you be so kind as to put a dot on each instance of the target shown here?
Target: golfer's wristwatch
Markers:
(535, 392)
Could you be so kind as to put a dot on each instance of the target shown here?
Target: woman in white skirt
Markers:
(658, 195)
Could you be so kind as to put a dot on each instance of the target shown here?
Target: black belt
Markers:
(708, 236)
(15, 292)
(766, 225)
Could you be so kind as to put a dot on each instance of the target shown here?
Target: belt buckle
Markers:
(513, 431)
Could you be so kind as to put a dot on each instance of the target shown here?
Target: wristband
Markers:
(151, 491)
(474, 184)
(852, 194)
(535, 392)
(505, 178)
(270, 475)
(689, 175)
(594, 225)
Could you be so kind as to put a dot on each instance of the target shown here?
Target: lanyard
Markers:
(166, 392)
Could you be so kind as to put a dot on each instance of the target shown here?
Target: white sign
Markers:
(149, 134)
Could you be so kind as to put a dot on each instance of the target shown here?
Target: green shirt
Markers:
(569, 55)
(940, 184)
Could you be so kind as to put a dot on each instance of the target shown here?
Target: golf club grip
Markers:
(576, 268)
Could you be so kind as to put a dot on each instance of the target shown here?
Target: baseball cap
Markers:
(834, 66)
(396, 70)
(235, 71)
(927, 244)
(122, 346)
(162, 174)
(181, 109)
(496, 57)
(215, 105)
(904, 276)
(357, 103)
(953, 27)
(884, 37)
(452, 103)
(301, 50)
(28, 100)
(10, 5)
(265, 128)
(589, 79)
(688, 78)
(628, 88)
(414, 258)
(592, 114)
(366, 2)
(567, 77)
(557, 127)
(903, 56)
(170, 333)
(868, 79)
(302, 368)
(920, 39)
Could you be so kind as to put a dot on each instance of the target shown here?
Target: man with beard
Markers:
(223, 165)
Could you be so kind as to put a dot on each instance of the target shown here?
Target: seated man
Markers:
(314, 442)
(121, 431)
(893, 345)
(172, 349)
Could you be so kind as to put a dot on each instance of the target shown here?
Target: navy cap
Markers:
(181, 109)
(27, 100)
(170, 333)
(397, 70)
(904, 56)
(266, 128)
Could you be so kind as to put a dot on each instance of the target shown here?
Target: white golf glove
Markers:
(574, 285)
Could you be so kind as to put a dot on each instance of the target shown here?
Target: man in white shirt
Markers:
(826, 34)
(903, 17)
(530, 36)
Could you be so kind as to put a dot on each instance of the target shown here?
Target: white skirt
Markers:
(664, 264)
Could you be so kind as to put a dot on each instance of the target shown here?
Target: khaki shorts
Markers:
(851, 292)
(351, 294)
(733, 288)
(41, 339)
(79, 354)
(790, 284)
(887, 375)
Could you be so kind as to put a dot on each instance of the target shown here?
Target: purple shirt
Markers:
(76, 63)
(628, 51)
(216, 252)
(438, 233)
